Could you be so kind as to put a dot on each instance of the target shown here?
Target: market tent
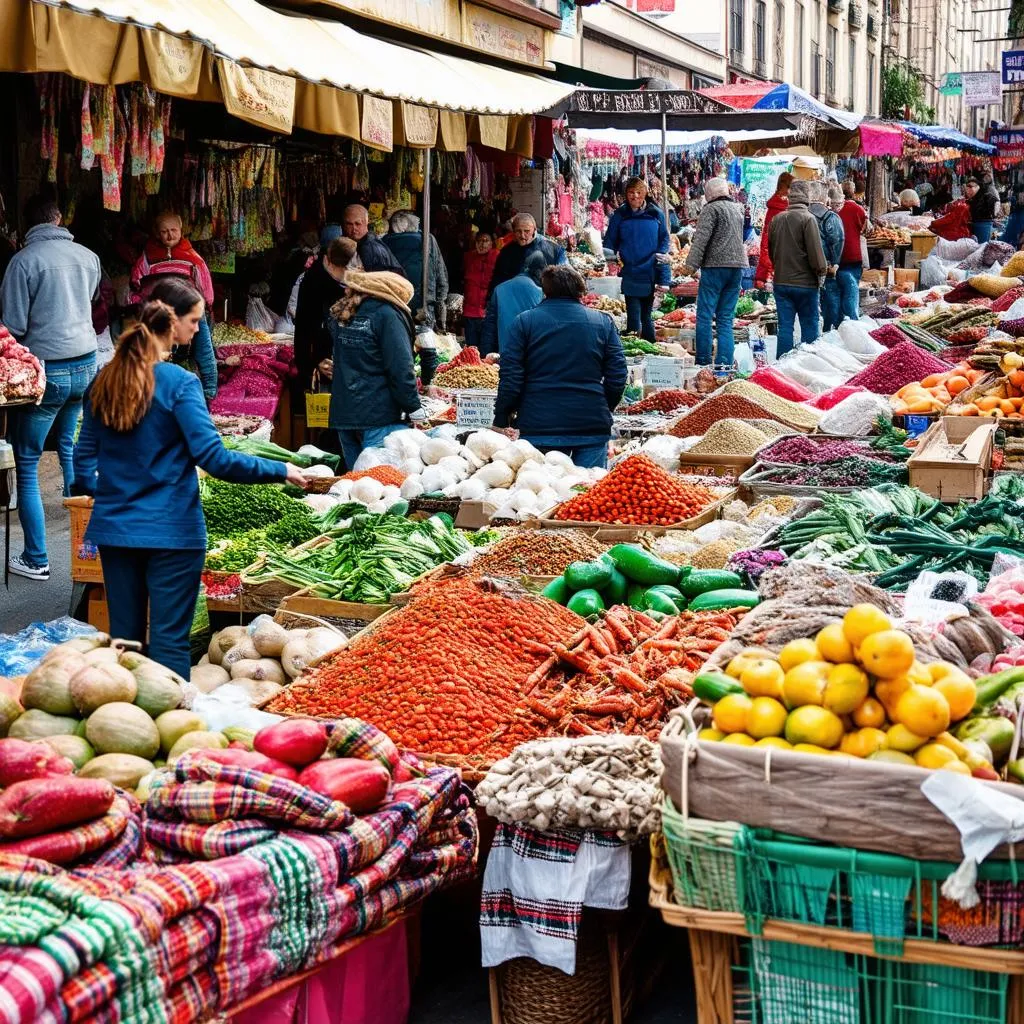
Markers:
(783, 96)
(648, 141)
(937, 135)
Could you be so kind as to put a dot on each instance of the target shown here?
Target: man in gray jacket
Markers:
(46, 303)
(717, 251)
(794, 245)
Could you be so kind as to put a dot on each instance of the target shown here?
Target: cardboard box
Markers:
(873, 278)
(951, 475)
(923, 244)
(474, 515)
(85, 559)
(902, 276)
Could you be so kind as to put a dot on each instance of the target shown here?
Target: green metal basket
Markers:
(783, 983)
(763, 875)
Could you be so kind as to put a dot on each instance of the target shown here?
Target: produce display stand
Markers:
(715, 465)
(630, 532)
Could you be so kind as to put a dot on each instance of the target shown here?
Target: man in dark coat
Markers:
(373, 254)
(512, 256)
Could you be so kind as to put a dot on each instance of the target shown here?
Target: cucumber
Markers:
(700, 581)
(672, 593)
(588, 575)
(711, 687)
(558, 590)
(713, 600)
(616, 590)
(586, 603)
(659, 602)
(636, 597)
(642, 567)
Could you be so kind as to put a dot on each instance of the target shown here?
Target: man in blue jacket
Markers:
(512, 256)
(833, 238)
(638, 233)
(406, 244)
(563, 371)
(510, 299)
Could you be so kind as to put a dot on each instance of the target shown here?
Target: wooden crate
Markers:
(303, 602)
(950, 479)
(267, 595)
(715, 465)
(85, 559)
(712, 512)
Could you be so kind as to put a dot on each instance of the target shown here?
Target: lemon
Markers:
(869, 714)
(815, 725)
(730, 713)
(955, 766)
(846, 689)
(923, 710)
(711, 735)
(805, 683)
(762, 678)
(892, 756)
(811, 748)
(918, 673)
(956, 686)
(739, 739)
(766, 717)
(832, 643)
(748, 654)
(903, 740)
(934, 755)
(862, 620)
(774, 741)
(888, 691)
(863, 742)
(797, 652)
(887, 653)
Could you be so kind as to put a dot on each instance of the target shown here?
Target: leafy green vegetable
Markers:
(231, 509)
(269, 450)
(745, 306)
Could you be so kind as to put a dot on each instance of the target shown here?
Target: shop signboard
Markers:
(259, 97)
(527, 193)
(665, 371)
(378, 129)
(981, 88)
(758, 179)
(1013, 67)
(1009, 142)
(951, 84)
(475, 408)
(642, 101)
(501, 36)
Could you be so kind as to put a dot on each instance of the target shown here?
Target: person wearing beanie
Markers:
(639, 234)
(830, 227)
(717, 251)
(373, 381)
(776, 204)
(794, 245)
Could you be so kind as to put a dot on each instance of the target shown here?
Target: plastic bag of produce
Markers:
(830, 399)
(665, 450)
(258, 317)
(855, 415)
(933, 271)
(228, 706)
(370, 457)
(20, 652)
(856, 338)
(939, 597)
(778, 383)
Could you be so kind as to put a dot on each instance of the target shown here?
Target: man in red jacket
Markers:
(778, 202)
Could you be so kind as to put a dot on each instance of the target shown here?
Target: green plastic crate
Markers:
(784, 983)
(762, 874)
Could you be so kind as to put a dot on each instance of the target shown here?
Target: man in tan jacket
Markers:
(794, 245)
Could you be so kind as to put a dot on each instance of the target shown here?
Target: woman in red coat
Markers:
(478, 266)
(776, 204)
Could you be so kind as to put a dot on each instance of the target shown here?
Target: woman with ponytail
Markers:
(145, 429)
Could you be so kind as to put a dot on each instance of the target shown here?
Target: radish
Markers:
(296, 741)
(362, 785)
(35, 806)
(21, 760)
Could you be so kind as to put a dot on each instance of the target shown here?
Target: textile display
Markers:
(252, 378)
(536, 885)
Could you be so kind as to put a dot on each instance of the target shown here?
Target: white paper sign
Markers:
(981, 88)
(664, 371)
(474, 408)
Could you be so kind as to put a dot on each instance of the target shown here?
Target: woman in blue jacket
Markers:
(145, 429)
(563, 371)
(638, 233)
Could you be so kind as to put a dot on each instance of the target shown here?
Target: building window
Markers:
(830, 60)
(736, 13)
(798, 70)
(815, 70)
(760, 17)
(851, 76)
(871, 84)
(779, 55)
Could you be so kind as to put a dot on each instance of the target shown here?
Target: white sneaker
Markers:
(17, 566)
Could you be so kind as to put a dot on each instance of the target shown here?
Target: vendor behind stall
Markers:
(145, 429)
(983, 200)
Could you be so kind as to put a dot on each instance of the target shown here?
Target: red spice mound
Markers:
(888, 335)
(779, 384)
(637, 491)
(963, 292)
(665, 401)
(1006, 300)
(445, 673)
(901, 365)
(382, 474)
(719, 407)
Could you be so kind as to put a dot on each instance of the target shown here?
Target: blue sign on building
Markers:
(1013, 67)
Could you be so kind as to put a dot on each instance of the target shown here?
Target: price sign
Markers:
(664, 371)
(474, 409)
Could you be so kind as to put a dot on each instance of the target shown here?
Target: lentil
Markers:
(665, 401)
(730, 437)
(900, 365)
(779, 408)
(536, 553)
(458, 377)
(716, 554)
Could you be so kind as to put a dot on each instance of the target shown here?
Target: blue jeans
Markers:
(792, 301)
(473, 326)
(831, 303)
(587, 456)
(354, 441)
(982, 230)
(849, 290)
(717, 295)
(66, 381)
(638, 315)
(164, 583)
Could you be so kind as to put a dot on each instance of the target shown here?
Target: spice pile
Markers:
(467, 377)
(803, 451)
(730, 437)
(665, 401)
(850, 471)
(446, 673)
(637, 491)
(742, 400)
(902, 364)
(536, 553)
(383, 474)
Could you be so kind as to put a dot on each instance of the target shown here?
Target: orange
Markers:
(863, 742)
(766, 717)
(774, 741)
(902, 739)
(893, 756)
(711, 735)
(730, 713)
(887, 653)
(923, 710)
(798, 651)
(955, 766)
(814, 725)
(933, 755)
(846, 689)
(888, 691)
(918, 673)
(869, 714)
(805, 684)
(960, 693)
(737, 664)
(739, 739)
(762, 678)
(832, 643)
(862, 620)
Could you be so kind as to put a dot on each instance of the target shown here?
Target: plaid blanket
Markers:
(536, 885)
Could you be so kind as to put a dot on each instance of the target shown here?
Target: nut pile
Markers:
(665, 401)
(536, 553)
(730, 437)
(466, 377)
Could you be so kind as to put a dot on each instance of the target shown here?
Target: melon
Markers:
(10, 710)
(123, 770)
(94, 685)
(37, 725)
(122, 728)
(206, 678)
(48, 686)
(172, 725)
(158, 688)
(74, 748)
(199, 740)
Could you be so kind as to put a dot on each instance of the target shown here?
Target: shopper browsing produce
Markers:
(47, 296)
(145, 428)
(983, 201)
(513, 254)
(405, 241)
(562, 373)
(477, 268)
(717, 251)
(510, 299)
(794, 245)
(777, 202)
(374, 255)
(830, 228)
(374, 382)
(851, 262)
(638, 233)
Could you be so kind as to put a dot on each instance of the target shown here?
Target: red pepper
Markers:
(35, 806)
(20, 760)
(362, 785)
